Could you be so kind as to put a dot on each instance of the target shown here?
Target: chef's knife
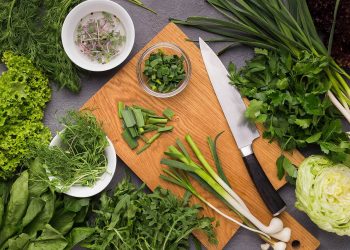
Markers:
(243, 131)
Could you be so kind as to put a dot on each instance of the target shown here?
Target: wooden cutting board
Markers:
(197, 112)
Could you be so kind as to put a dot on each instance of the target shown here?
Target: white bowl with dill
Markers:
(98, 35)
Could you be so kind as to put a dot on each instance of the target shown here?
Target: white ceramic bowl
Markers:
(82, 10)
(102, 183)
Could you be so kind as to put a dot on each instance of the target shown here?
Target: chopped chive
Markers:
(140, 130)
(165, 129)
(148, 111)
(120, 109)
(128, 118)
(129, 140)
(168, 113)
(144, 147)
(153, 138)
(156, 116)
(144, 138)
(152, 120)
(149, 128)
(140, 122)
(133, 132)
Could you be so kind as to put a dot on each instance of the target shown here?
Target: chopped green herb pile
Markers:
(33, 28)
(131, 219)
(137, 121)
(164, 72)
(80, 159)
(289, 97)
(100, 38)
(24, 92)
(32, 216)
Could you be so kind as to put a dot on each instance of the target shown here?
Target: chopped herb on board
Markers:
(164, 72)
(137, 121)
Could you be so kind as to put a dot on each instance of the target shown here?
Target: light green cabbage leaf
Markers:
(323, 192)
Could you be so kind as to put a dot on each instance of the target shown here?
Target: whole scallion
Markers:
(181, 165)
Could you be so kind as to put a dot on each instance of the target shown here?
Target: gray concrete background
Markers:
(147, 25)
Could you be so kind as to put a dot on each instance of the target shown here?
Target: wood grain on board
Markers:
(197, 112)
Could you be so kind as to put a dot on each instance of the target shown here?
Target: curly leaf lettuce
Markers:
(323, 192)
(24, 92)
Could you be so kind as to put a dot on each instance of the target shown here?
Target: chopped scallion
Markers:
(128, 118)
(168, 113)
(129, 140)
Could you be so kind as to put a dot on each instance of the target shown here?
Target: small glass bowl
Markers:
(169, 49)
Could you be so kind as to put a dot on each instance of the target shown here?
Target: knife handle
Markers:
(267, 192)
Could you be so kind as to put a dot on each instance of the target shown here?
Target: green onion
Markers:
(120, 109)
(152, 120)
(181, 163)
(140, 122)
(128, 118)
(165, 129)
(168, 113)
(129, 140)
(137, 121)
(133, 132)
(144, 110)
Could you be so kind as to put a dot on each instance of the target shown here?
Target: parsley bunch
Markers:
(289, 97)
(132, 219)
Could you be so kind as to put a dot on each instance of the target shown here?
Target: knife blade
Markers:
(242, 130)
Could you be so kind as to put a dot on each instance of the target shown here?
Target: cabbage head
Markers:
(323, 192)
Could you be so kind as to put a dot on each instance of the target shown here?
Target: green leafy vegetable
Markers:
(164, 72)
(322, 191)
(168, 113)
(285, 166)
(34, 219)
(279, 26)
(33, 28)
(80, 159)
(132, 219)
(295, 113)
(24, 92)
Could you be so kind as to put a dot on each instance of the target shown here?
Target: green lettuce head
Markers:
(323, 192)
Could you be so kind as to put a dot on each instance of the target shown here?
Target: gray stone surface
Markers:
(147, 25)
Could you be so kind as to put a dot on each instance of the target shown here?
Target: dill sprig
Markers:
(33, 28)
(80, 159)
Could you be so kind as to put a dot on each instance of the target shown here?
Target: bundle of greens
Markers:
(32, 216)
(181, 164)
(287, 96)
(132, 219)
(276, 25)
(24, 92)
(33, 28)
(136, 121)
(164, 72)
(80, 158)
